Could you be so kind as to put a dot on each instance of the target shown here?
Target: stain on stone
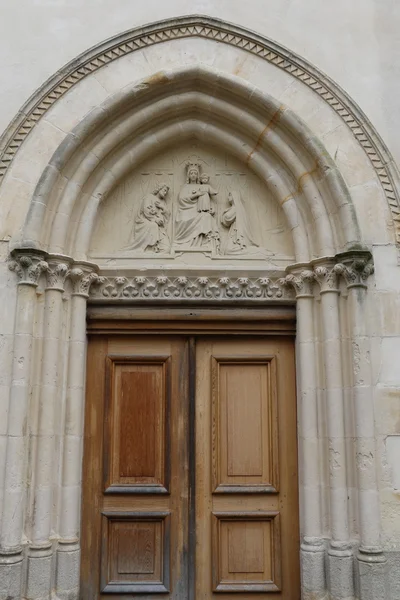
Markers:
(159, 78)
(272, 123)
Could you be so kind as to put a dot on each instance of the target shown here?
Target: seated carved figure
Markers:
(149, 233)
(195, 227)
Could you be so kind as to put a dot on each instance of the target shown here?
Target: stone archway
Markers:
(328, 281)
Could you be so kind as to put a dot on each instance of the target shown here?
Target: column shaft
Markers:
(340, 554)
(68, 553)
(312, 548)
(39, 572)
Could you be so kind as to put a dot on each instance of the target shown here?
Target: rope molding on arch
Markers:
(215, 29)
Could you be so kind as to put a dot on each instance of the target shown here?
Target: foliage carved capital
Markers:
(28, 267)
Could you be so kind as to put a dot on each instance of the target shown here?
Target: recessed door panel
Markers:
(137, 417)
(245, 432)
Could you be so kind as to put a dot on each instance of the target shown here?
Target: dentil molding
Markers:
(215, 29)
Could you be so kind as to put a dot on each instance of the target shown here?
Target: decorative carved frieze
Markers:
(205, 27)
(28, 267)
(190, 288)
(354, 267)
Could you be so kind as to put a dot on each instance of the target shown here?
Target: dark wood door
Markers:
(190, 468)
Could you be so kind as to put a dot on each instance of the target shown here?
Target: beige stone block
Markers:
(390, 511)
(387, 410)
(308, 105)
(373, 213)
(31, 160)
(124, 71)
(387, 305)
(182, 52)
(76, 103)
(387, 271)
(4, 407)
(15, 196)
(349, 156)
(390, 355)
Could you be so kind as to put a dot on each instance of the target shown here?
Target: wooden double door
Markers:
(190, 468)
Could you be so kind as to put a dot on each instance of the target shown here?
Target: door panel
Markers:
(244, 422)
(190, 468)
(135, 524)
(136, 449)
(247, 503)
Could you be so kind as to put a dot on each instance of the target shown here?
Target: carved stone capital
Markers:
(28, 266)
(302, 282)
(57, 272)
(355, 268)
(82, 278)
(327, 278)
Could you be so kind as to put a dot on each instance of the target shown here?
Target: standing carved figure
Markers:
(204, 201)
(240, 238)
(195, 224)
(149, 230)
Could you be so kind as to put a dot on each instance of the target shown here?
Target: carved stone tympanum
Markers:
(191, 206)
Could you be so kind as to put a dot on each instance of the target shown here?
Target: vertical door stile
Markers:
(192, 468)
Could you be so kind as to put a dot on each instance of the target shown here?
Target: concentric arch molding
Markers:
(221, 31)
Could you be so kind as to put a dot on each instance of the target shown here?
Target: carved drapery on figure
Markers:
(195, 223)
(240, 237)
(149, 230)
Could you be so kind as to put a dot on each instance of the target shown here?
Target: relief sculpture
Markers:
(190, 209)
(240, 238)
(149, 230)
(195, 223)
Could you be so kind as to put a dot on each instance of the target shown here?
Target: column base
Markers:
(373, 574)
(67, 571)
(11, 575)
(39, 572)
(341, 571)
(313, 575)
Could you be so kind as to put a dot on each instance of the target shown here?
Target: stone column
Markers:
(68, 552)
(40, 552)
(312, 547)
(340, 554)
(28, 266)
(356, 267)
